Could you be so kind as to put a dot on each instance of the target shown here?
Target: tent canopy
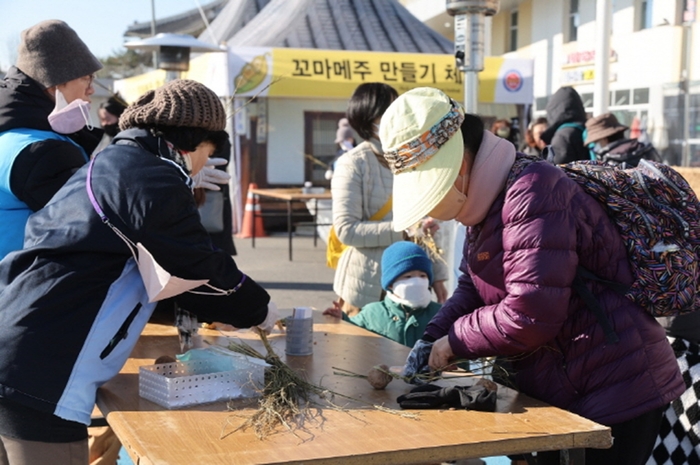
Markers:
(362, 25)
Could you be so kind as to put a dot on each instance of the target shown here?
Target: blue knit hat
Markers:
(402, 257)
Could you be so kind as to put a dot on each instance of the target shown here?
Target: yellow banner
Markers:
(132, 88)
(288, 72)
(333, 73)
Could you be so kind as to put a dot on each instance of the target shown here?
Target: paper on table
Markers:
(302, 312)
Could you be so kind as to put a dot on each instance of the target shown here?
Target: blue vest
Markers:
(13, 212)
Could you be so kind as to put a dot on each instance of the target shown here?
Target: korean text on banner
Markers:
(336, 73)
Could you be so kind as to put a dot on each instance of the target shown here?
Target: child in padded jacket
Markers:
(407, 274)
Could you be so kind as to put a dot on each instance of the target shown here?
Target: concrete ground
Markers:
(304, 282)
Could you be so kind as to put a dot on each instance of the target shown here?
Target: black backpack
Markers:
(633, 151)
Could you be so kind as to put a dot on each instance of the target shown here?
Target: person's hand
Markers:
(270, 320)
(216, 325)
(208, 178)
(430, 226)
(417, 362)
(335, 310)
(440, 291)
(441, 355)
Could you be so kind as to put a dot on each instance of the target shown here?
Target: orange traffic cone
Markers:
(252, 228)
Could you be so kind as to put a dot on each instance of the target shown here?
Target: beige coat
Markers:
(361, 186)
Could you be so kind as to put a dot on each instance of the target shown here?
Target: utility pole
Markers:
(601, 89)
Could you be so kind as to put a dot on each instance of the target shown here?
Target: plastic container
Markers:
(191, 382)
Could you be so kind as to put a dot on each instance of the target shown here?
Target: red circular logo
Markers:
(513, 80)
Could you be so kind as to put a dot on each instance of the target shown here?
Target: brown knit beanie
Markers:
(179, 103)
(51, 53)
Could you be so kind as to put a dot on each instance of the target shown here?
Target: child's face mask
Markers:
(413, 292)
(68, 118)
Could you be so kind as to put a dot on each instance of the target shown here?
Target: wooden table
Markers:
(361, 435)
(290, 195)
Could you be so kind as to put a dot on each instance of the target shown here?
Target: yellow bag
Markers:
(335, 248)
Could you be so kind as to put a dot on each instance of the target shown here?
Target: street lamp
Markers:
(173, 50)
(469, 42)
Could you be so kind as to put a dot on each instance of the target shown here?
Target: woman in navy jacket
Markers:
(75, 300)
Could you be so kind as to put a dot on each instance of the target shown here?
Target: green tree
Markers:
(123, 63)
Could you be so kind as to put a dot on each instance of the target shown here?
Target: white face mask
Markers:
(413, 292)
(159, 283)
(68, 118)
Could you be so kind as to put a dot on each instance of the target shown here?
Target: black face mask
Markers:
(111, 129)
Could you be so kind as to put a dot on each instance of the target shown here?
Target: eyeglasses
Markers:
(89, 78)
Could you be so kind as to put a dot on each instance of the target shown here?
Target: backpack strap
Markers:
(592, 303)
(382, 212)
(584, 135)
(522, 161)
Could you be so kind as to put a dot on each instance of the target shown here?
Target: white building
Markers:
(650, 63)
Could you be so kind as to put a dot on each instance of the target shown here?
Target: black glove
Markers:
(430, 396)
(417, 361)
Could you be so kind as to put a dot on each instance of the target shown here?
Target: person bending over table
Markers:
(76, 299)
(515, 298)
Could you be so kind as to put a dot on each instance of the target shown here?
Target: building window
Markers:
(587, 99)
(573, 21)
(645, 10)
(640, 96)
(513, 31)
(621, 97)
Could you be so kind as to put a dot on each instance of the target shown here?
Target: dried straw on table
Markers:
(286, 397)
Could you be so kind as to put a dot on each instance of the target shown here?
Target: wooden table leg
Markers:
(572, 457)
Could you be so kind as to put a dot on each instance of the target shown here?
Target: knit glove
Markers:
(417, 361)
(208, 178)
(430, 396)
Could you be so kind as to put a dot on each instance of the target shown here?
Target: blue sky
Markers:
(100, 23)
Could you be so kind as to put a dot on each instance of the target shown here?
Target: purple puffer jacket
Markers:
(515, 298)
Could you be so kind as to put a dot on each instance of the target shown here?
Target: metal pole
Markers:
(475, 28)
(602, 57)
(471, 91)
(153, 31)
(687, 44)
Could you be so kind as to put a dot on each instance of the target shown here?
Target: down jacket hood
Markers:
(565, 106)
